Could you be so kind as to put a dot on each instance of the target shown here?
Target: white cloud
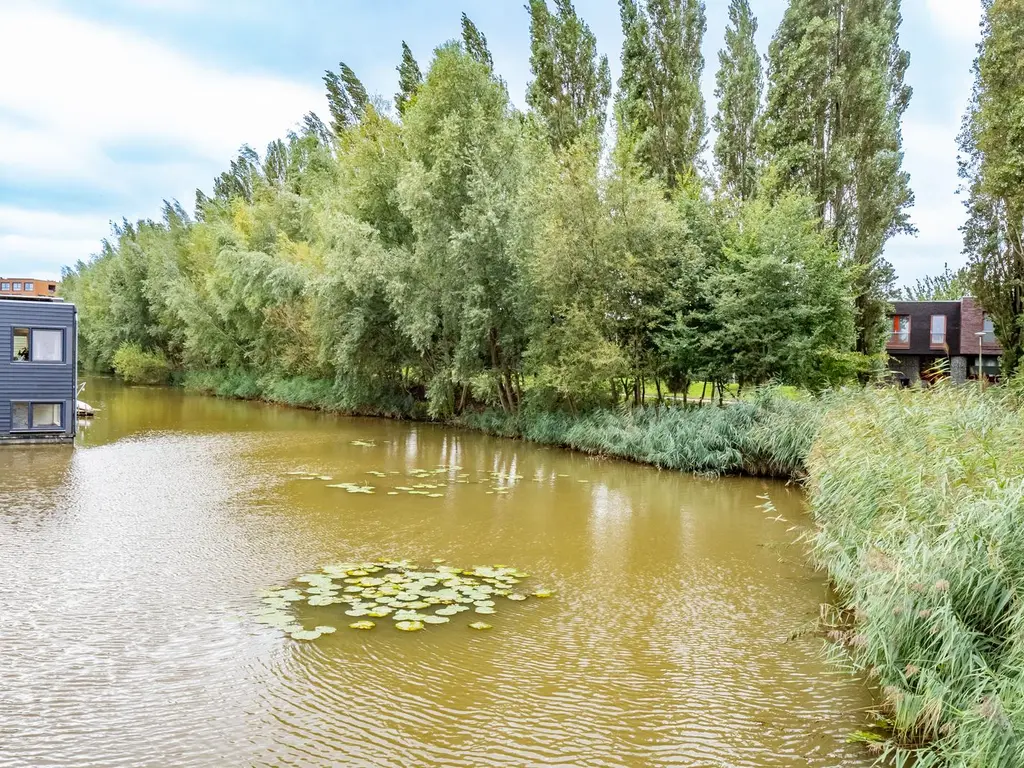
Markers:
(956, 19)
(38, 243)
(75, 91)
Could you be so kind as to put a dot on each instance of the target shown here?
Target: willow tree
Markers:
(659, 98)
(832, 130)
(457, 292)
(739, 84)
(571, 83)
(992, 166)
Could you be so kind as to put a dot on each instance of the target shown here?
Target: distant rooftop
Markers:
(27, 286)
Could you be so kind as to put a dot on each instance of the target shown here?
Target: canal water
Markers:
(130, 568)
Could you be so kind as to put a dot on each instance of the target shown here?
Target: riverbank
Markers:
(768, 435)
(918, 500)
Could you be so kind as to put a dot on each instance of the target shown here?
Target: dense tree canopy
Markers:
(831, 129)
(739, 84)
(992, 166)
(456, 253)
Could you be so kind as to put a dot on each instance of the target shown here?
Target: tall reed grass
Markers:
(919, 500)
(769, 435)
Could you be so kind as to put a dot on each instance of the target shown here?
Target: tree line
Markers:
(446, 248)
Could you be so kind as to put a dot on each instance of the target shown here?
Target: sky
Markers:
(108, 108)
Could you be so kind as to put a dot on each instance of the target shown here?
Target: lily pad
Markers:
(479, 625)
(305, 634)
(362, 625)
(409, 626)
(326, 630)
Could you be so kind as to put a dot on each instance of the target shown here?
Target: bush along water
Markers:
(919, 500)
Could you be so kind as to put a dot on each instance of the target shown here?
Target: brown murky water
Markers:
(129, 565)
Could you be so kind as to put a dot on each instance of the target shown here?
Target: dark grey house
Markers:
(930, 336)
(38, 370)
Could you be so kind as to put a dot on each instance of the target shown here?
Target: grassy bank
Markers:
(919, 499)
(919, 502)
(767, 435)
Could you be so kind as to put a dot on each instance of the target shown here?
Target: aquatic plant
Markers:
(919, 500)
(412, 597)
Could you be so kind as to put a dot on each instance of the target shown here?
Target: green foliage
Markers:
(571, 83)
(831, 129)
(475, 43)
(409, 79)
(918, 500)
(660, 100)
(136, 366)
(992, 166)
(947, 286)
(770, 435)
(781, 303)
(346, 97)
(739, 84)
(464, 256)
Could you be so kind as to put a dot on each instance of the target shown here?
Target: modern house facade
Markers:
(38, 370)
(26, 286)
(926, 333)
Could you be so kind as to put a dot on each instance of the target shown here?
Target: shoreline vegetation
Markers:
(917, 498)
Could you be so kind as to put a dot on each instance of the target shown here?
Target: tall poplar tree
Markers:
(992, 166)
(659, 99)
(476, 43)
(832, 130)
(571, 83)
(740, 82)
(346, 97)
(409, 78)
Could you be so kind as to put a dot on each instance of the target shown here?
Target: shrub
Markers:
(136, 366)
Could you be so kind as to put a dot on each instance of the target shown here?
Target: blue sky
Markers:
(111, 106)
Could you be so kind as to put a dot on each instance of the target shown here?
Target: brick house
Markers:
(926, 333)
(12, 287)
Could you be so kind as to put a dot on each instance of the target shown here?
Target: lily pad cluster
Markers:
(429, 483)
(398, 592)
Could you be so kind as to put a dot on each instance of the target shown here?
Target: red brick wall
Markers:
(971, 322)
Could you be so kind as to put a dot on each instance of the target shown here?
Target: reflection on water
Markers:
(129, 563)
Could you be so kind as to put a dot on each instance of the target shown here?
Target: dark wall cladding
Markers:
(43, 381)
(921, 326)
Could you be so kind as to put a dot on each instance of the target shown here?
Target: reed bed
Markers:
(769, 435)
(919, 500)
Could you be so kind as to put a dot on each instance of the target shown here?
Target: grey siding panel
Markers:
(48, 382)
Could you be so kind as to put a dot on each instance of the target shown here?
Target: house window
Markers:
(38, 345)
(21, 336)
(52, 288)
(989, 329)
(43, 417)
(17, 286)
(30, 286)
(900, 331)
(5, 286)
(938, 330)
